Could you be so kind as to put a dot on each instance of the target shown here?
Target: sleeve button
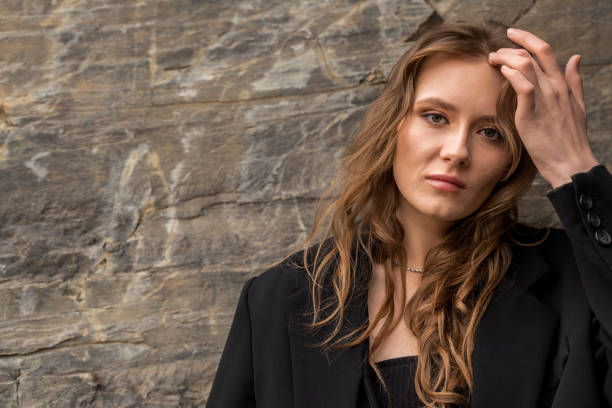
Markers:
(585, 201)
(603, 237)
(593, 219)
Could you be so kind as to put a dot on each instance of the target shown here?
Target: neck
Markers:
(421, 233)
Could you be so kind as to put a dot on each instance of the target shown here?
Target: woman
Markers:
(426, 290)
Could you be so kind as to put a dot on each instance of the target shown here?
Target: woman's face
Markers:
(449, 154)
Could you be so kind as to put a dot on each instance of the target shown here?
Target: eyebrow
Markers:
(450, 107)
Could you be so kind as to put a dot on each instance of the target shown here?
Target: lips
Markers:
(446, 178)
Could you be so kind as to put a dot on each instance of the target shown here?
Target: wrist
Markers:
(563, 174)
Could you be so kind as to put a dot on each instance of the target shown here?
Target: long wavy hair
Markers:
(460, 274)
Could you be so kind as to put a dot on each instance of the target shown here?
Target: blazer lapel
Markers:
(320, 379)
(513, 338)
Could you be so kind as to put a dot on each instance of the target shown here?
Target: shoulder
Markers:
(542, 253)
(280, 280)
(283, 280)
(544, 240)
(550, 242)
(544, 264)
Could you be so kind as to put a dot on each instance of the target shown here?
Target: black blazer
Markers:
(544, 341)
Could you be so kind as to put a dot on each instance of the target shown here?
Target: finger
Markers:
(574, 80)
(538, 47)
(525, 90)
(545, 86)
(518, 61)
(526, 54)
(519, 51)
(578, 112)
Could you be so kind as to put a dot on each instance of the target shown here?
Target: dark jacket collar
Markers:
(515, 324)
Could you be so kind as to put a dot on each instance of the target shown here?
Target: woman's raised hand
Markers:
(550, 115)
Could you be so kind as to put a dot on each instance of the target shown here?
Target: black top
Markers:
(399, 376)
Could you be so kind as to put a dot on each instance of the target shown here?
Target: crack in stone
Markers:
(17, 388)
(252, 202)
(148, 208)
(177, 67)
(328, 69)
(73, 109)
(433, 20)
(430, 5)
(256, 99)
(525, 11)
(70, 346)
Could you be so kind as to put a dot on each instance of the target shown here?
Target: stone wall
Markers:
(155, 154)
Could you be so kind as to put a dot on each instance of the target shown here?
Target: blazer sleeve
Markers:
(584, 207)
(233, 386)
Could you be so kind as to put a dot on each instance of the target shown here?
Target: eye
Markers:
(434, 118)
(491, 133)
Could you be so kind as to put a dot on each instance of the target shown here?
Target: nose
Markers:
(455, 147)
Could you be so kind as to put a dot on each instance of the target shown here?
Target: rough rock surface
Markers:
(155, 154)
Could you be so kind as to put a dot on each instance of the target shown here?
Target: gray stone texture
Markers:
(156, 154)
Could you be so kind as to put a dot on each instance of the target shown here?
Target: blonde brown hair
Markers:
(461, 273)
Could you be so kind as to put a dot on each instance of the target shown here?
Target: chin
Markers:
(443, 216)
(442, 211)
(446, 211)
(449, 217)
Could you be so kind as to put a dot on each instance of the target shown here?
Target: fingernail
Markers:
(511, 31)
(491, 54)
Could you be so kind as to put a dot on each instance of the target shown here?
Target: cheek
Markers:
(490, 173)
(403, 140)
(504, 163)
(493, 176)
(413, 142)
(403, 151)
(496, 164)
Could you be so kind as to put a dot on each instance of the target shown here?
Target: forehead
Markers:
(469, 83)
